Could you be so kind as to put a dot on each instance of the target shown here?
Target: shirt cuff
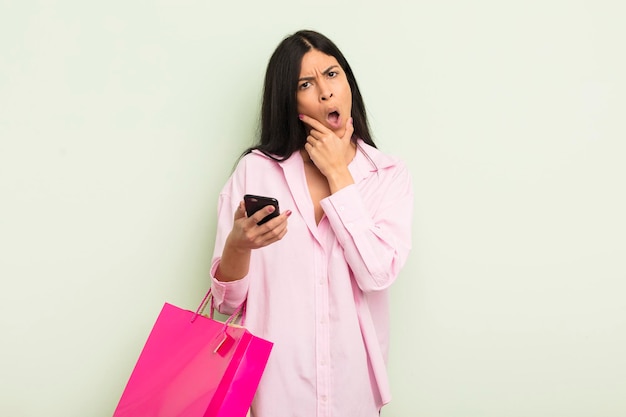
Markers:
(227, 295)
(346, 204)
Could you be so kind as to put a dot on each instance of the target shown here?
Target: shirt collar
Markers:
(367, 160)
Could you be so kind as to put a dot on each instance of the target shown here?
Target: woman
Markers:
(315, 279)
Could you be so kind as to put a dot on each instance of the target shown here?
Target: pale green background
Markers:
(121, 120)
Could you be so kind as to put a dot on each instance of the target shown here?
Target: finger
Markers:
(278, 229)
(241, 211)
(275, 236)
(349, 129)
(313, 123)
(277, 223)
(261, 214)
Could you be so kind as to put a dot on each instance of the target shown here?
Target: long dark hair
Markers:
(282, 133)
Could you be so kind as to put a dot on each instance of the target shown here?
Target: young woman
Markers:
(315, 279)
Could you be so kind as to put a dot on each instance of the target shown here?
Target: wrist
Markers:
(231, 247)
(338, 181)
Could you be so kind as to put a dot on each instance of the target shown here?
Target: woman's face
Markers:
(323, 91)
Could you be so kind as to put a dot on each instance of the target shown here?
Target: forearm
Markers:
(234, 263)
(375, 247)
(339, 179)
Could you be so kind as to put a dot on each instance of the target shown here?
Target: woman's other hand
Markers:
(246, 235)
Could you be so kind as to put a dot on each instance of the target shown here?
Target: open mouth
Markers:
(333, 119)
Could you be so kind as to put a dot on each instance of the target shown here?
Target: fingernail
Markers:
(288, 213)
(300, 116)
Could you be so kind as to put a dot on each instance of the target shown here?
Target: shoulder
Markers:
(380, 159)
(251, 171)
(256, 159)
(256, 167)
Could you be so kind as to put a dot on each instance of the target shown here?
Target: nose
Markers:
(325, 92)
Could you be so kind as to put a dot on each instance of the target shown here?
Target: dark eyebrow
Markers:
(326, 71)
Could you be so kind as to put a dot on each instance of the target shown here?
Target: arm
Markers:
(375, 237)
(232, 254)
(245, 236)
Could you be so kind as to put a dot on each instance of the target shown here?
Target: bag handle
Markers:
(209, 297)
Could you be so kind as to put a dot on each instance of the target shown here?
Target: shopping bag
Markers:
(194, 366)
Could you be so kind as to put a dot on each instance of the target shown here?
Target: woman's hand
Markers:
(245, 236)
(330, 153)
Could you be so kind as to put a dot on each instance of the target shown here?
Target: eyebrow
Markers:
(326, 71)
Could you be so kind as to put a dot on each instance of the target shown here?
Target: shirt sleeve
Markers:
(227, 296)
(376, 241)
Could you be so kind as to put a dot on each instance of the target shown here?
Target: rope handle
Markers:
(239, 311)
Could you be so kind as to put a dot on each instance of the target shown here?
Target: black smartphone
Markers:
(255, 203)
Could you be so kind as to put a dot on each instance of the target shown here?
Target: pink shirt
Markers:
(321, 293)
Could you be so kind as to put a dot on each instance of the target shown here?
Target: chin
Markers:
(340, 132)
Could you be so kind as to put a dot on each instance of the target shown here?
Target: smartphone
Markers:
(255, 203)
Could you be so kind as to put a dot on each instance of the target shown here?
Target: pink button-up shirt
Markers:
(321, 293)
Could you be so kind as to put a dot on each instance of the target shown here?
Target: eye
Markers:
(304, 85)
(332, 74)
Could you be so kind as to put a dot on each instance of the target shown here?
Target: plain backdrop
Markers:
(121, 120)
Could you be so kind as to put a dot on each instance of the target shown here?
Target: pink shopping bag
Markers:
(194, 366)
